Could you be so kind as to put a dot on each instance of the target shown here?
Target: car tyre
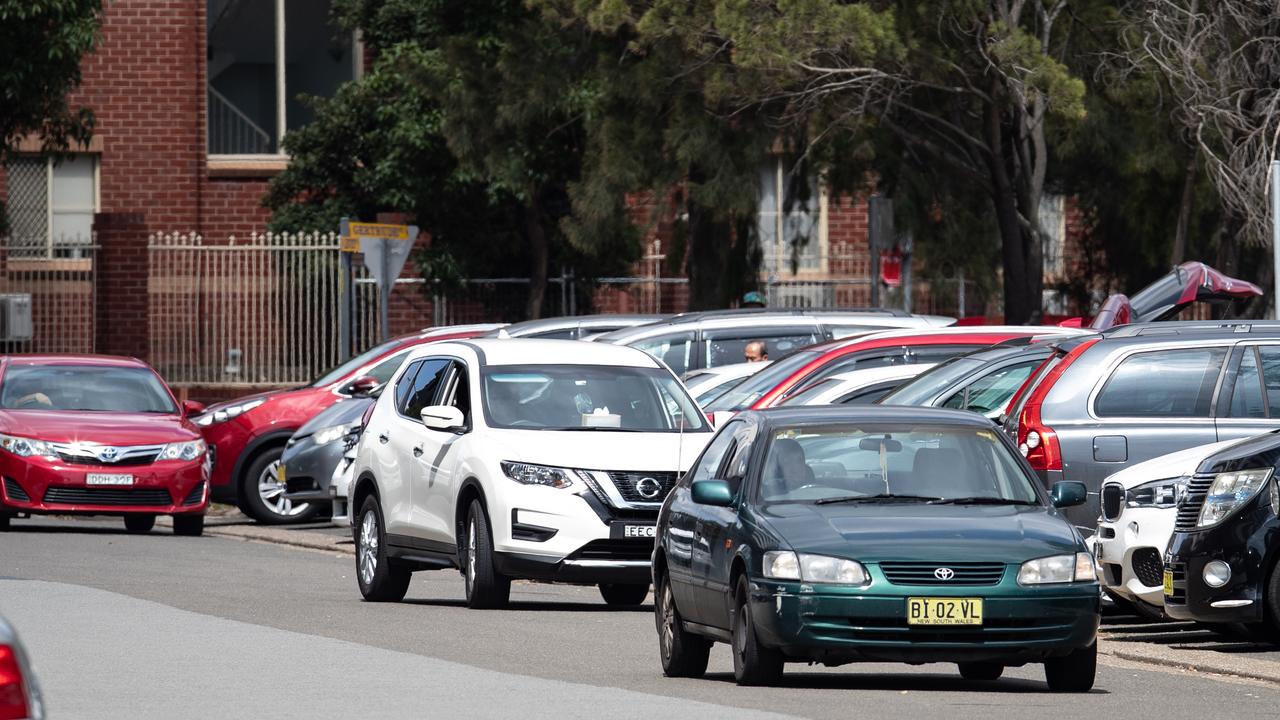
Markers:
(486, 587)
(1271, 606)
(985, 671)
(188, 525)
(139, 524)
(380, 579)
(1074, 672)
(683, 654)
(624, 595)
(262, 495)
(753, 664)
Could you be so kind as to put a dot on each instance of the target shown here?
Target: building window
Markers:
(788, 223)
(1053, 221)
(51, 203)
(263, 54)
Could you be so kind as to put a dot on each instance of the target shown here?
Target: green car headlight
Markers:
(1058, 569)
(787, 565)
(1230, 491)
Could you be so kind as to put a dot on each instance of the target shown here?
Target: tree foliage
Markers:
(41, 45)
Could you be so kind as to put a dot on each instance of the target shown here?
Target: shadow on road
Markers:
(1184, 635)
(534, 606)
(853, 680)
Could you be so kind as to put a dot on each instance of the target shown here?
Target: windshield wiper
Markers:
(881, 498)
(981, 501)
(601, 428)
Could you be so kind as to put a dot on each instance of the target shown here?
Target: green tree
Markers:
(41, 44)
(470, 118)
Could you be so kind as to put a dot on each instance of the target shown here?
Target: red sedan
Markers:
(94, 435)
(247, 436)
(797, 371)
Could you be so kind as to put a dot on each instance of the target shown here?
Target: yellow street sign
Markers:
(379, 230)
(349, 244)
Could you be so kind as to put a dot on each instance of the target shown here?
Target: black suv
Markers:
(1221, 566)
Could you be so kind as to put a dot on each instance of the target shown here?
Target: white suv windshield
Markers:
(588, 397)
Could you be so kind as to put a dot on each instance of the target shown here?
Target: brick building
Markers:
(192, 98)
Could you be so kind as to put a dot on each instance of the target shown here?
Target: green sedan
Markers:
(835, 535)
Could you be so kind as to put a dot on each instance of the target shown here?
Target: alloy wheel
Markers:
(740, 638)
(271, 490)
(368, 547)
(668, 638)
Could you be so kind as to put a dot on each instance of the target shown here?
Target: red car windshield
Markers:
(84, 388)
(355, 363)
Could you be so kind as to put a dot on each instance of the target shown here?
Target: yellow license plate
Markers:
(1168, 582)
(944, 611)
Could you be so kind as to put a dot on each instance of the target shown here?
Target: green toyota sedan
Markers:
(835, 535)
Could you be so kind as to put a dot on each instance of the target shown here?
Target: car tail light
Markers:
(1036, 441)
(13, 691)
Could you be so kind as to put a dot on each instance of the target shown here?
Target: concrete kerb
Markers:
(278, 535)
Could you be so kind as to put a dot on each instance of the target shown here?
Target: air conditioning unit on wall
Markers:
(15, 317)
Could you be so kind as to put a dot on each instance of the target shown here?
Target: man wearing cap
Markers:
(752, 299)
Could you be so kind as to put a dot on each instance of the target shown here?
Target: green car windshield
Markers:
(892, 463)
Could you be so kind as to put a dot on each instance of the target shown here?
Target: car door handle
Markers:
(417, 451)
(384, 438)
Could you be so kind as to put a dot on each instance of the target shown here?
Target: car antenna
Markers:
(680, 446)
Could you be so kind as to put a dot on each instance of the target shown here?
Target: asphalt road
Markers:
(165, 627)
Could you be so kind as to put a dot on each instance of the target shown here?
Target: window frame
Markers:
(50, 162)
(435, 392)
(252, 161)
(776, 260)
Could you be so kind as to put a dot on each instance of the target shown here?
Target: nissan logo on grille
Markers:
(944, 573)
(648, 488)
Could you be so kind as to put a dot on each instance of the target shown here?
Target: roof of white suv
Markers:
(521, 351)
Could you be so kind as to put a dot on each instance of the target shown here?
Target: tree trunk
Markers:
(1019, 308)
(1179, 252)
(708, 237)
(539, 252)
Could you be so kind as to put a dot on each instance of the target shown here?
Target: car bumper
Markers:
(868, 625)
(1130, 552)
(168, 487)
(309, 470)
(546, 534)
(1244, 542)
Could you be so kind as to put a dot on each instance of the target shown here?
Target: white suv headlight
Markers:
(1156, 494)
(183, 450)
(787, 565)
(1058, 569)
(1229, 491)
(527, 474)
(27, 447)
(224, 414)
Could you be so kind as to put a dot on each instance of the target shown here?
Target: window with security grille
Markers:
(51, 203)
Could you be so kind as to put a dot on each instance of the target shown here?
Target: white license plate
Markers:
(108, 479)
(639, 531)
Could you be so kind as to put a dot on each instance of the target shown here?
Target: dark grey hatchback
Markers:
(839, 534)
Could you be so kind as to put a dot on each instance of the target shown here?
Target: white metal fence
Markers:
(60, 280)
(261, 312)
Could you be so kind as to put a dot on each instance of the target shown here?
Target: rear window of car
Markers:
(1162, 383)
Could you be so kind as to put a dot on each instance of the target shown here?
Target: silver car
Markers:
(573, 327)
(15, 667)
(982, 381)
(692, 341)
(1104, 402)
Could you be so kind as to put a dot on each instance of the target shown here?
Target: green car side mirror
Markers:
(1068, 494)
(712, 492)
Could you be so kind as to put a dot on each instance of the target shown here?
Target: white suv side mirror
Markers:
(442, 417)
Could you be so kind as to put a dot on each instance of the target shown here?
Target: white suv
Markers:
(508, 458)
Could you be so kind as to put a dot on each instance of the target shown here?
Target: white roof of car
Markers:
(524, 351)
(868, 376)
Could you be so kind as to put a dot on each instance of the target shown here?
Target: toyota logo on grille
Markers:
(944, 573)
(648, 488)
(108, 454)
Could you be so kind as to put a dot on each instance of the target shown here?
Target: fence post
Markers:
(123, 322)
(346, 292)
